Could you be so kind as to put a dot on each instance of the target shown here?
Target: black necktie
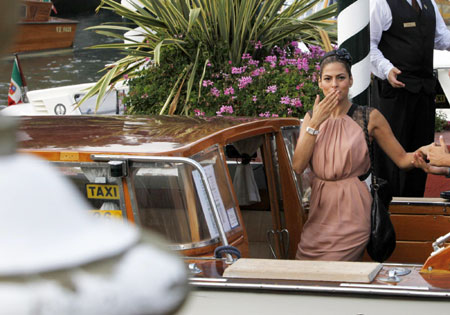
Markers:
(415, 5)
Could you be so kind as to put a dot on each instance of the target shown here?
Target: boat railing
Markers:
(120, 160)
(437, 245)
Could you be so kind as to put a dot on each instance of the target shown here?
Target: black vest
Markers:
(408, 44)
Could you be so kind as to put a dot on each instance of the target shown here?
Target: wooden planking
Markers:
(420, 227)
(417, 209)
(411, 252)
(37, 11)
(408, 252)
(342, 271)
(55, 34)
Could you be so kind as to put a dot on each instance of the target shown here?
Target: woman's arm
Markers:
(380, 130)
(305, 147)
(306, 141)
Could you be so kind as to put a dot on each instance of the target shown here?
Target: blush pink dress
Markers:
(338, 223)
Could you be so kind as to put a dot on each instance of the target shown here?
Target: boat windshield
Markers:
(167, 197)
(103, 192)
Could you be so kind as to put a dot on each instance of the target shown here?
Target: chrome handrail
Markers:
(173, 159)
(440, 241)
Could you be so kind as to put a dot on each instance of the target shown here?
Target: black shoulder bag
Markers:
(382, 234)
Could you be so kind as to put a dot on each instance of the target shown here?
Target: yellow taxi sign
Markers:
(101, 191)
(107, 214)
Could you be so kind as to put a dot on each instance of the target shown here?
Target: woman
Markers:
(333, 144)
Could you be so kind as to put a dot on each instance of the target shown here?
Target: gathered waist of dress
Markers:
(340, 180)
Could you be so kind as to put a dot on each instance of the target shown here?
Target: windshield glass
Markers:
(172, 199)
(103, 192)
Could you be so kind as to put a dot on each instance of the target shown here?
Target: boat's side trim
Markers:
(412, 292)
(382, 286)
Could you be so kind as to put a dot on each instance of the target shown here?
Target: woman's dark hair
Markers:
(339, 55)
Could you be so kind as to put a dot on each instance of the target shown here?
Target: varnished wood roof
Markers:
(153, 135)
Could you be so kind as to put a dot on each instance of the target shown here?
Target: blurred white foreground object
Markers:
(57, 259)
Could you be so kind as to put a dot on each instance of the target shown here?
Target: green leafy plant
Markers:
(200, 32)
(283, 83)
(440, 121)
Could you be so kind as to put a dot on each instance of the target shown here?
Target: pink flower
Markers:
(286, 70)
(235, 70)
(296, 102)
(289, 111)
(258, 45)
(254, 99)
(246, 56)
(298, 87)
(285, 100)
(198, 112)
(271, 89)
(214, 91)
(225, 109)
(255, 73)
(229, 91)
(207, 83)
(271, 59)
(125, 76)
(230, 62)
(244, 81)
(274, 115)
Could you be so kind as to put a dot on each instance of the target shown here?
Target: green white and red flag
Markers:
(17, 88)
(53, 7)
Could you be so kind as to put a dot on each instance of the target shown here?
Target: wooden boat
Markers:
(37, 30)
(183, 177)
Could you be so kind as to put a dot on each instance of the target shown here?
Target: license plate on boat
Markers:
(102, 191)
(107, 214)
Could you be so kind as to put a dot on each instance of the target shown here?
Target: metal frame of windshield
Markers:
(171, 159)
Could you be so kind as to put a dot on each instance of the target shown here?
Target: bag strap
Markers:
(351, 110)
(370, 146)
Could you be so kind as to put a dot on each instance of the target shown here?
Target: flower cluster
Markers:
(281, 84)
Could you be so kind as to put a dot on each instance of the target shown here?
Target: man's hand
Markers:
(438, 155)
(392, 78)
(419, 162)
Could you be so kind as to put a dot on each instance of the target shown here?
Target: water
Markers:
(65, 67)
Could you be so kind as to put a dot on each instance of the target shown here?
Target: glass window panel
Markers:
(302, 181)
(101, 191)
(168, 203)
(215, 168)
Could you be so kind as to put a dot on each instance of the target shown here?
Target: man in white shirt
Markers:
(403, 34)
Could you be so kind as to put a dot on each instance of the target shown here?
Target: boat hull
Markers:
(55, 33)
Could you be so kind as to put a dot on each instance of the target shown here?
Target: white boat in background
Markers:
(64, 101)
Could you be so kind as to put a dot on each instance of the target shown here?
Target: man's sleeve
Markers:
(380, 20)
(442, 35)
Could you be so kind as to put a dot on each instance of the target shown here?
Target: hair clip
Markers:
(340, 53)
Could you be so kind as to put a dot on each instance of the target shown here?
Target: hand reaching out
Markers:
(392, 78)
(419, 162)
(438, 154)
